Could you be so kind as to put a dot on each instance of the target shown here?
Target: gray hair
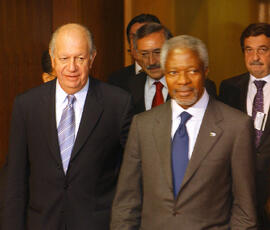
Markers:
(184, 42)
(87, 32)
(148, 29)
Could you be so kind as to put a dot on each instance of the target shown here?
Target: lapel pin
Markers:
(212, 134)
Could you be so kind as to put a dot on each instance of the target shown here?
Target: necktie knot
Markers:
(71, 99)
(184, 117)
(259, 84)
(159, 85)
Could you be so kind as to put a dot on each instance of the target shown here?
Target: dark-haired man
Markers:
(250, 93)
(148, 88)
(132, 27)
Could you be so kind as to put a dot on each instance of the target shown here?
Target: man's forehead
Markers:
(154, 40)
(257, 40)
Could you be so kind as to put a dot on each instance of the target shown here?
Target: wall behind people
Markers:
(26, 27)
(163, 9)
(218, 23)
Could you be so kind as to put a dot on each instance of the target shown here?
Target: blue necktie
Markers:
(180, 153)
(66, 132)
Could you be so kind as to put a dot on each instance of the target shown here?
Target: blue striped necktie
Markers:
(66, 132)
(180, 158)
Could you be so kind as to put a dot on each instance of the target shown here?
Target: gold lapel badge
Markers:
(212, 134)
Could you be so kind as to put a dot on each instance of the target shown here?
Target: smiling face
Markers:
(257, 55)
(185, 74)
(71, 59)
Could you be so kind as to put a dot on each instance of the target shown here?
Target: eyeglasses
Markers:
(261, 50)
(145, 54)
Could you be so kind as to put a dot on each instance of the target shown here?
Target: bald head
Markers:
(68, 29)
(72, 55)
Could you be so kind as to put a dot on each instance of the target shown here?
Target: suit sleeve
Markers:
(127, 205)
(126, 120)
(243, 180)
(14, 214)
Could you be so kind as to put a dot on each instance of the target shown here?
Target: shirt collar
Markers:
(150, 81)
(266, 78)
(197, 110)
(138, 68)
(61, 95)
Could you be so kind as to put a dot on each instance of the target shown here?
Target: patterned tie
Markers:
(66, 132)
(258, 107)
(158, 98)
(180, 152)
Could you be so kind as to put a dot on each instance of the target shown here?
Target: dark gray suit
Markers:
(218, 188)
(233, 92)
(39, 195)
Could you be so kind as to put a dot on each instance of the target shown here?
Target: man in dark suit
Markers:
(147, 42)
(132, 27)
(66, 142)
(187, 164)
(244, 93)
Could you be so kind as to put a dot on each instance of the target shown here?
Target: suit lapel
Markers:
(162, 137)
(48, 121)
(266, 129)
(136, 87)
(92, 112)
(208, 136)
(243, 93)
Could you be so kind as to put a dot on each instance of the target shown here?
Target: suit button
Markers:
(66, 186)
(58, 166)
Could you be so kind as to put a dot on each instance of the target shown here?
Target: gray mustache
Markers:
(256, 63)
(184, 88)
(154, 66)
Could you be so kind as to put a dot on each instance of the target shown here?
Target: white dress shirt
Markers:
(138, 68)
(150, 91)
(252, 90)
(61, 102)
(194, 123)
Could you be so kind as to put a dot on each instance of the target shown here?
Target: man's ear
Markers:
(206, 72)
(92, 58)
(52, 59)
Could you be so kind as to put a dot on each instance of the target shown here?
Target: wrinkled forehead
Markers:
(72, 37)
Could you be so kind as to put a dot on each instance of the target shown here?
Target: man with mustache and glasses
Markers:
(187, 164)
(250, 93)
(148, 88)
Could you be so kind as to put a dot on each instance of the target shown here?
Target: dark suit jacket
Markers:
(126, 79)
(39, 195)
(233, 92)
(217, 190)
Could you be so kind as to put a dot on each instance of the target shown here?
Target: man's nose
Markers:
(182, 78)
(255, 56)
(72, 65)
